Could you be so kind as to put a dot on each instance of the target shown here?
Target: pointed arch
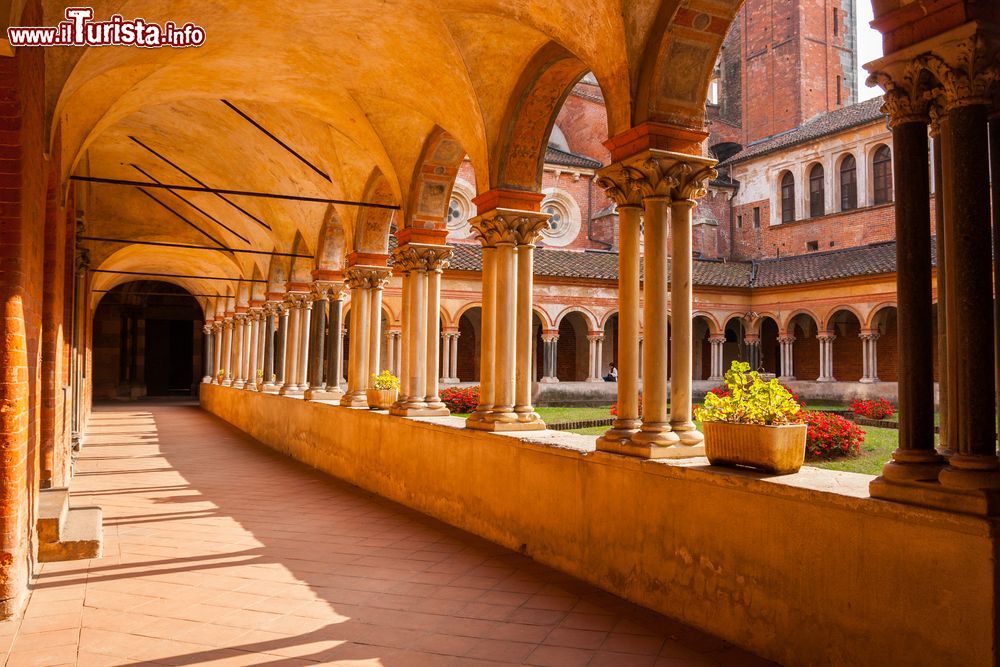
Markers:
(373, 225)
(433, 180)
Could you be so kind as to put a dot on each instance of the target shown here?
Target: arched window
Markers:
(787, 197)
(848, 184)
(817, 193)
(882, 174)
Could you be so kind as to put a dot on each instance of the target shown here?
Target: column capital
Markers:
(619, 185)
(550, 337)
(506, 226)
(207, 329)
(751, 339)
(826, 336)
(908, 97)
(296, 299)
(328, 290)
(421, 257)
(786, 339)
(872, 334)
(717, 338)
(367, 277)
(674, 176)
(595, 337)
(239, 317)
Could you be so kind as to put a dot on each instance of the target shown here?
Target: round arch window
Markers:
(564, 218)
(460, 210)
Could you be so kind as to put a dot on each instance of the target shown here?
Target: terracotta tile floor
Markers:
(219, 551)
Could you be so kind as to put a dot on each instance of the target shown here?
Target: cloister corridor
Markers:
(219, 551)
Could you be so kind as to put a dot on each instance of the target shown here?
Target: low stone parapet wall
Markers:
(804, 569)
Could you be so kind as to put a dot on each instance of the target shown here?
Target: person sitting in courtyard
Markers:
(612, 375)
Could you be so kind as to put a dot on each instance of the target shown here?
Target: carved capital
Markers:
(908, 93)
(869, 335)
(503, 226)
(826, 336)
(207, 329)
(717, 339)
(967, 73)
(550, 338)
(675, 176)
(786, 340)
(595, 338)
(328, 290)
(619, 185)
(367, 277)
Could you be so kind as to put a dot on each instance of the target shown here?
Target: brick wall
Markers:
(22, 226)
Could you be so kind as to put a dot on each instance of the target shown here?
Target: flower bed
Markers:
(877, 408)
(830, 436)
(461, 400)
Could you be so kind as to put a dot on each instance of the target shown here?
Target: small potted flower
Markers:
(754, 425)
(220, 374)
(260, 379)
(383, 390)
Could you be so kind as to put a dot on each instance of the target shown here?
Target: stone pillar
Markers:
(446, 357)
(239, 329)
(294, 355)
(965, 146)
(254, 360)
(421, 264)
(357, 373)
(508, 238)
(752, 343)
(272, 311)
(945, 370)
(304, 304)
(317, 342)
(717, 342)
(869, 357)
(219, 334)
(390, 352)
(248, 370)
(594, 341)
(334, 347)
(550, 343)
(454, 357)
(207, 355)
(826, 339)
(377, 280)
(690, 187)
(622, 186)
(283, 315)
(787, 343)
(227, 354)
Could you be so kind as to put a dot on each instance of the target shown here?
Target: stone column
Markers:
(965, 146)
(422, 264)
(454, 357)
(507, 236)
(227, 354)
(752, 343)
(334, 347)
(293, 347)
(207, 354)
(219, 331)
(826, 339)
(403, 265)
(390, 352)
(869, 357)
(283, 315)
(550, 342)
(945, 370)
(787, 343)
(248, 348)
(304, 305)
(239, 327)
(716, 343)
(317, 342)
(357, 373)
(272, 311)
(377, 279)
(691, 186)
(446, 357)
(622, 186)
(254, 361)
(594, 341)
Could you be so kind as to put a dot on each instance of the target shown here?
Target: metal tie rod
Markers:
(242, 193)
(178, 275)
(192, 247)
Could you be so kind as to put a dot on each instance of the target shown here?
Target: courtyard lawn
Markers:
(875, 451)
(562, 415)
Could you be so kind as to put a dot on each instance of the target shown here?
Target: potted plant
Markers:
(260, 379)
(219, 375)
(383, 390)
(754, 425)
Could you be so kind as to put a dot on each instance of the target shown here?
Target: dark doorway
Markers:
(169, 348)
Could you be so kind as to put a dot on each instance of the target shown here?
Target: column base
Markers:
(227, 383)
(868, 380)
(913, 466)
(978, 502)
(971, 473)
(621, 433)
(595, 379)
(323, 394)
(238, 384)
(478, 415)
(688, 434)
(718, 379)
(647, 450)
(502, 426)
(549, 380)
(291, 390)
(527, 415)
(207, 379)
(354, 399)
(783, 378)
(270, 388)
(251, 386)
(829, 379)
(429, 411)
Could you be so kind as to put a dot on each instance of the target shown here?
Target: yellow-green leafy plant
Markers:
(751, 400)
(384, 381)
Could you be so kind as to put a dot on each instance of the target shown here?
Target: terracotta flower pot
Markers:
(381, 399)
(777, 449)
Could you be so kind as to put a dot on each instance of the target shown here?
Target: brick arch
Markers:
(277, 276)
(790, 319)
(847, 346)
(433, 180)
(466, 308)
(677, 64)
(832, 312)
(869, 323)
(243, 289)
(299, 268)
(589, 317)
(713, 322)
(539, 95)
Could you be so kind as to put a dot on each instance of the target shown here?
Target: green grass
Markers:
(560, 415)
(875, 451)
